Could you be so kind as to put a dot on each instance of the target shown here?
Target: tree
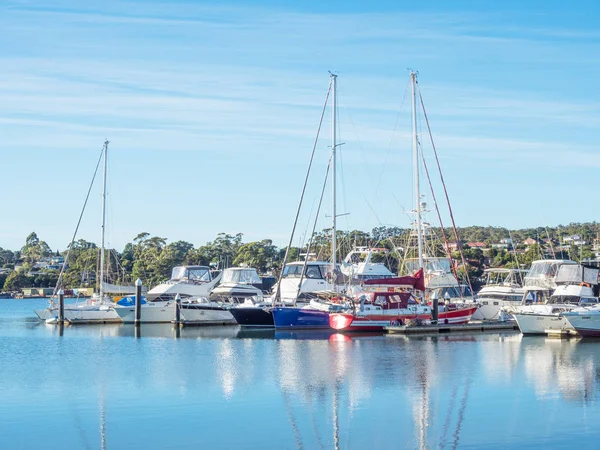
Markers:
(16, 280)
(259, 255)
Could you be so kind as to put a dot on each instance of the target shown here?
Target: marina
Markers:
(299, 225)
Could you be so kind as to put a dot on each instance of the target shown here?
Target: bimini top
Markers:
(542, 272)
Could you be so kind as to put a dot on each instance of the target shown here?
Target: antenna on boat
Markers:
(103, 220)
(413, 82)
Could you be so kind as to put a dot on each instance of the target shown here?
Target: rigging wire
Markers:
(287, 250)
(313, 233)
(62, 270)
(462, 256)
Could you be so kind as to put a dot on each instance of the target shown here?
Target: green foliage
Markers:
(259, 255)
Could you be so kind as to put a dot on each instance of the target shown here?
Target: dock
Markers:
(446, 328)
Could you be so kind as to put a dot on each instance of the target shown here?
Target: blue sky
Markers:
(212, 108)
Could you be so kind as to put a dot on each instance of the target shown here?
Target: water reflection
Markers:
(187, 387)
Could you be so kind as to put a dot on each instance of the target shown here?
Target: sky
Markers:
(212, 109)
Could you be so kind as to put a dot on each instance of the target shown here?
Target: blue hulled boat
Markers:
(300, 318)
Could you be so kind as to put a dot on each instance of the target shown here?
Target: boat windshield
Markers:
(573, 299)
(295, 271)
(244, 276)
(453, 292)
(441, 265)
(194, 274)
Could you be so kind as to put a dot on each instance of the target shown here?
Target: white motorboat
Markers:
(359, 264)
(317, 278)
(187, 281)
(237, 284)
(503, 288)
(573, 291)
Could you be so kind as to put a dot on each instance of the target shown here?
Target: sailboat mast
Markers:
(103, 220)
(333, 178)
(413, 82)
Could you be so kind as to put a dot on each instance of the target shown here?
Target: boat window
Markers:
(588, 300)
(199, 275)
(564, 299)
(313, 272)
(179, 273)
(292, 271)
(244, 276)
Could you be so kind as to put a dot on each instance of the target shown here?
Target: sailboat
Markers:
(300, 279)
(98, 308)
(315, 315)
(397, 300)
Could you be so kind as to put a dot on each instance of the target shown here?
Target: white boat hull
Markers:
(587, 324)
(82, 314)
(166, 314)
(539, 323)
(490, 309)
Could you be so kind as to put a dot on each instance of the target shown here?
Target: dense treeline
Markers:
(151, 258)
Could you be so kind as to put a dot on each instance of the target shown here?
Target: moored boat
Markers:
(573, 291)
(380, 309)
(585, 321)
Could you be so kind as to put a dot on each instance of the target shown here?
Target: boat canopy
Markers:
(576, 274)
(416, 281)
(542, 273)
(240, 275)
(431, 265)
(191, 273)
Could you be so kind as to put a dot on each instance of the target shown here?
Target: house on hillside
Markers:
(479, 245)
(451, 246)
(573, 239)
(530, 241)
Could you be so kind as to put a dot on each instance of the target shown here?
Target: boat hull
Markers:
(190, 314)
(300, 318)
(539, 323)
(206, 315)
(82, 315)
(587, 325)
(253, 316)
(377, 322)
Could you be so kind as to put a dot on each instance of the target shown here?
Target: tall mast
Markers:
(333, 144)
(103, 221)
(413, 82)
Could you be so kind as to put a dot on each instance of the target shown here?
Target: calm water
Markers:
(102, 387)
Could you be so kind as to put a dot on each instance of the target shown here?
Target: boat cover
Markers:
(576, 273)
(416, 281)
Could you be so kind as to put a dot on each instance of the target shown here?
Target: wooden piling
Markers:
(138, 302)
(61, 307)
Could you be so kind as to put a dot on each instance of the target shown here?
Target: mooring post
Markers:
(61, 307)
(177, 310)
(434, 309)
(138, 302)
